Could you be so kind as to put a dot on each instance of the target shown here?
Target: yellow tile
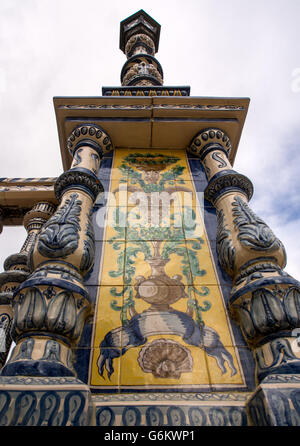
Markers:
(132, 364)
(193, 223)
(152, 251)
(108, 312)
(135, 264)
(229, 373)
(217, 317)
(112, 267)
(118, 194)
(115, 223)
(201, 262)
(105, 381)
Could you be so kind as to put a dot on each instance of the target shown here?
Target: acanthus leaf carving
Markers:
(60, 235)
(88, 255)
(253, 231)
(225, 248)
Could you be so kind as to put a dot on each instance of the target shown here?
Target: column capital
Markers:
(90, 135)
(210, 139)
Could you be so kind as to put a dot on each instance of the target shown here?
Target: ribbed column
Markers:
(53, 303)
(264, 300)
(17, 271)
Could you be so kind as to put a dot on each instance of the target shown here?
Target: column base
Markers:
(276, 401)
(35, 368)
(45, 401)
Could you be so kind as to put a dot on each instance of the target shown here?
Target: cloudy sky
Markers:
(232, 48)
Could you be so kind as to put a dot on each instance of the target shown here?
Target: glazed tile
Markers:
(188, 195)
(112, 264)
(118, 194)
(149, 276)
(173, 259)
(197, 169)
(216, 317)
(81, 359)
(108, 314)
(99, 218)
(115, 224)
(202, 264)
(248, 366)
(224, 368)
(193, 223)
(110, 378)
(148, 297)
(135, 264)
(136, 362)
(149, 232)
(85, 339)
(105, 169)
(92, 292)
(92, 277)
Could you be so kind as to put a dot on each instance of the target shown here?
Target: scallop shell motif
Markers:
(165, 358)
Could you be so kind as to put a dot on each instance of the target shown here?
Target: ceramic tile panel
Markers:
(161, 321)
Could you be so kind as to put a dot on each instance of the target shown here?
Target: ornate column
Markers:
(16, 271)
(51, 306)
(265, 300)
(1, 220)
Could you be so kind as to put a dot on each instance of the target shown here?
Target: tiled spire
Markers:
(139, 39)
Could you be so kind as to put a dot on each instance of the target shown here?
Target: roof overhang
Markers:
(150, 122)
(131, 122)
(19, 195)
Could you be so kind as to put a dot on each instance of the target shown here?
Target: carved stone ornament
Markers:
(225, 249)
(253, 231)
(60, 234)
(142, 42)
(142, 69)
(62, 313)
(209, 136)
(90, 132)
(77, 179)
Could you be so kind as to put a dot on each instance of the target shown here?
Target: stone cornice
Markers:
(160, 122)
(19, 195)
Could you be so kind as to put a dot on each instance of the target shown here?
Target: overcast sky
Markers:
(227, 48)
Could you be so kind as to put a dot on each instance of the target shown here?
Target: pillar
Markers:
(51, 306)
(264, 300)
(16, 270)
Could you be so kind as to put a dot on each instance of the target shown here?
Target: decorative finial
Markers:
(139, 40)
